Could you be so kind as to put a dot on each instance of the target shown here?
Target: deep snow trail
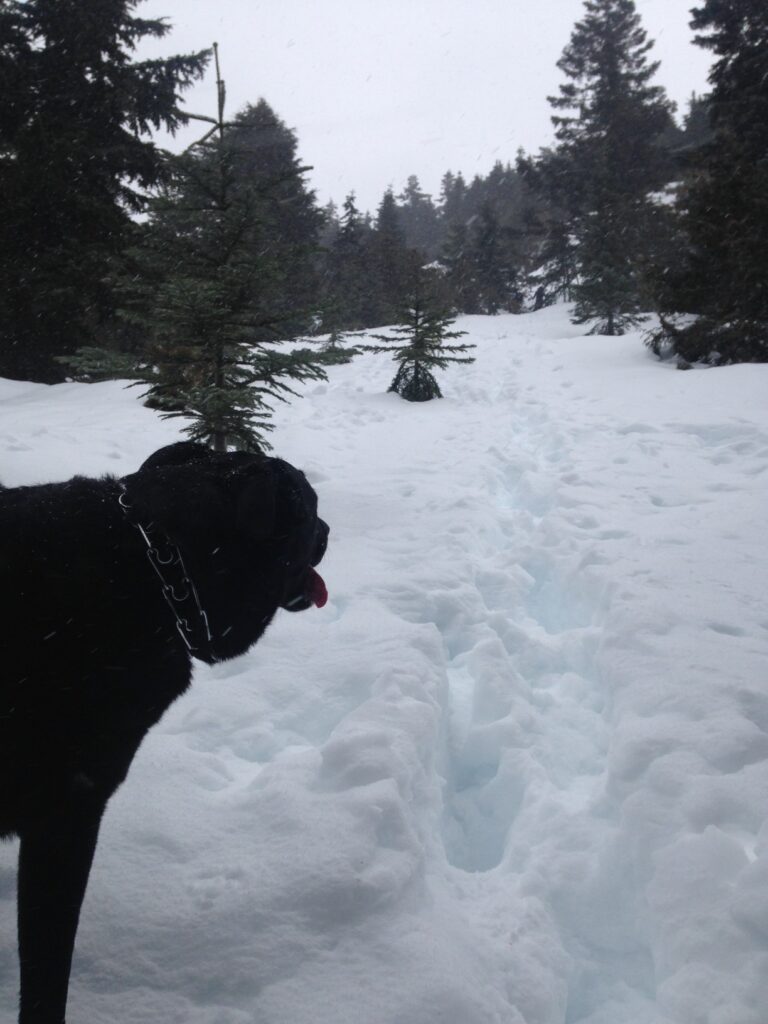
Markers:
(515, 771)
(520, 620)
(590, 564)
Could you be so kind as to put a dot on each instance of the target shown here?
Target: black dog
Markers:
(110, 587)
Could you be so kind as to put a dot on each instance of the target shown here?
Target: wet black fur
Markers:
(92, 656)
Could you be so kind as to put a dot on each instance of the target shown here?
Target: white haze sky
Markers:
(380, 89)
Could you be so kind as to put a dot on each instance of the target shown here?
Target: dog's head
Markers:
(247, 527)
(300, 536)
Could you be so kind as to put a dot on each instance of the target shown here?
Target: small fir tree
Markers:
(91, 364)
(334, 351)
(206, 288)
(418, 345)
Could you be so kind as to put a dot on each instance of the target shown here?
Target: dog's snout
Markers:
(321, 541)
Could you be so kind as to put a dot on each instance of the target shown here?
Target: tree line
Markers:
(184, 271)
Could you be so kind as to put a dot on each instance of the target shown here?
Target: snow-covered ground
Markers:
(516, 770)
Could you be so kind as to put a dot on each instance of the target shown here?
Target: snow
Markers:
(515, 771)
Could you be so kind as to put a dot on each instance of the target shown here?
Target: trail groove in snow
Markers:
(515, 771)
(522, 684)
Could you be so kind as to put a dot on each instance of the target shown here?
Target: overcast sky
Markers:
(379, 89)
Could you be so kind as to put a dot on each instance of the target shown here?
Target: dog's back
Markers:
(71, 703)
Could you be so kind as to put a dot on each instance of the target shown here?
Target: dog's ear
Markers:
(272, 498)
(178, 499)
(297, 501)
(256, 508)
(182, 453)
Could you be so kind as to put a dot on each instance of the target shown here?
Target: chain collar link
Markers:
(177, 587)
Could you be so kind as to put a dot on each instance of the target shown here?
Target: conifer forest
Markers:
(183, 271)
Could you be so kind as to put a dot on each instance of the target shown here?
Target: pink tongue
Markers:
(317, 588)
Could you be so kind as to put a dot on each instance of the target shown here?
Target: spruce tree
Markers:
(697, 124)
(264, 162)
(347, 299)
(557, 259)
(608, 159)
(453, 206)
(418, 345)
(724, 203)
(75, 163)
(495, 272)
(392, 263)
(419, 218)
(458, 258)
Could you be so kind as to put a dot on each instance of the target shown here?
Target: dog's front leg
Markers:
(54, 862)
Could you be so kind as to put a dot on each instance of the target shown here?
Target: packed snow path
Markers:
(516, 771)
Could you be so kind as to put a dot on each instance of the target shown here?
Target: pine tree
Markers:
(557, 260)
(418, 345)
(453, 206)
(75, 162)
(208, 285)
(330, 225)
(608, 159)
(697, 124)
(347, 301)
(494, 268)
(392, 263)
(419, 218)
(552, 242)
(723, 276)
(458, 258)
(264, 162)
